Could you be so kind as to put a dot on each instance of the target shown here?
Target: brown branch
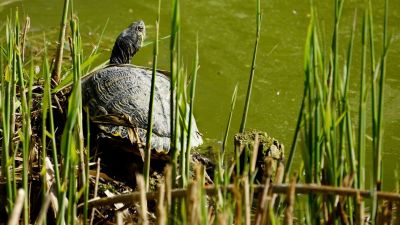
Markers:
(275, 188)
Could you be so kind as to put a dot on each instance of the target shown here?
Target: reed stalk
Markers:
(373, 77)
(143, 201)
(43, 211)
(378, 82)
(47, 110)
(8, 95)
(335, 45)
(45, 107)
(26, 123)
(228, 125)
(86, 172)
(347, 126)
(174, 107)
(191, 108)
(19, 204)
(253, 67)
(295, 137)
(56, 73)
(385, 47)
(174, 67)
(146, 169)
(70, 138)
(362, 106)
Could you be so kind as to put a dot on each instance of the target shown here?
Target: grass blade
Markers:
(191, 100)
(228, 125)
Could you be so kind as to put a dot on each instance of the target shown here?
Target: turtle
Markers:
(117, 97)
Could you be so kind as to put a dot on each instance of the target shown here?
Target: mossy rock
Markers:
(268, 147)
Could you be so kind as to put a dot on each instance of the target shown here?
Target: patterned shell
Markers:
(124, 90)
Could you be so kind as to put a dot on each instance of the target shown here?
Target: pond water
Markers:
(226, 31)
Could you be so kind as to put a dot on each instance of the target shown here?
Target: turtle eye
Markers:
(140, 28)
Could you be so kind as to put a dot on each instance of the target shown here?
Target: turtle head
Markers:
(138, 31)
(128, 43)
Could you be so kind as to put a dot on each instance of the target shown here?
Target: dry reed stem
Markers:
(50, 179)
(347, 182)
(261, 216)
(396, 213)
(168, 185)
(253, 162)
(254, 154)
(280, 172)
(16, 213)
(238, 148)
(385, 215)
(161, 208)
(193, 204)
(360, 210)
(247, 203)
(222, 218)
(291, 198)
(26, 28)
(237, 196)
(143, 201)
(43, 211)
(60, 46)
(96, 187)
(119, 218)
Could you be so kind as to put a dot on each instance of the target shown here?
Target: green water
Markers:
(226, 31)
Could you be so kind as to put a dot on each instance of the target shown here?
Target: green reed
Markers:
(176, 117)
(8, 110)
(47, 110)
(228, 125)
(381, 85)
(72, 149)
(191, 107)
(182, 99)
(182, 96)
(346, 124)
(26, 134)
(253, 66)
(224, 202)
(362, 106)
(378, 74)
(146, 168)
(174, 68)
(330, 153)
(56, 73)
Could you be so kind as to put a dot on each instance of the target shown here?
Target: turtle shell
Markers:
(117, 98)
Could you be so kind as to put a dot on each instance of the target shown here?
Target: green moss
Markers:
(268, 146)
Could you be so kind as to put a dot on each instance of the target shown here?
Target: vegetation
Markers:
(35, 157)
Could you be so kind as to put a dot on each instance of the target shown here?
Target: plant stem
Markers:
(253, 68)
(147, 159)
